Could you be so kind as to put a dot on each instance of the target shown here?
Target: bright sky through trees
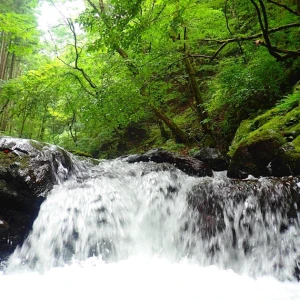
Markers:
(51, 14)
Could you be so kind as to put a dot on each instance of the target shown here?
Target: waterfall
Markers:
(116, 219)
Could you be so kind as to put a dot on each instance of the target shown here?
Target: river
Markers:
(131, 231)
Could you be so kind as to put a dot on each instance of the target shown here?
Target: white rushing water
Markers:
(127, 232)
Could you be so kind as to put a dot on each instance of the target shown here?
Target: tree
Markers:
(18, 37)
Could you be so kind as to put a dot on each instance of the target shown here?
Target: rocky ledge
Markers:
(188, 165)
(28, 171)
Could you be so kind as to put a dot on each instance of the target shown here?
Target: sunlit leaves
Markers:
(21, 30)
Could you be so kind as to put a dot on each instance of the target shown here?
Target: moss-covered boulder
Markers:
(28, 171)
(287, 159)
(270, 143)
(254, 154)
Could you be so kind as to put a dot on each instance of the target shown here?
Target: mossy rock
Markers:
(287, 160)
(28, 171)
(268, 144)
(254, 154)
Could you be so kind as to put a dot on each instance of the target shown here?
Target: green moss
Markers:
(241, 134)
(9, 159)
(283, 120)
(37, 145)
(296, 143)
(171, 145)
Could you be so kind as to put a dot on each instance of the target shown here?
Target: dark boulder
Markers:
(188, 165)
(286, 161)
(28, 171)
(217, 160)
(254, 155)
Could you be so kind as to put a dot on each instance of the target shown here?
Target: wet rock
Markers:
(209, 211)
(269, 144)
(217, 160)
(28, 171)
(188, 165)
(253, 156)
(239, 202)
(286, 161)
(3, 225)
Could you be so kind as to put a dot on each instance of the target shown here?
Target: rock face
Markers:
(268, 144)
(217, 160)
(253, 156)
(188, 165)
(28, 170)
(286, 161)
(238, 214)
(217, 201)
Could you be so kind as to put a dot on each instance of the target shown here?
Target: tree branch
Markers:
(275, 50)
(264, 28)
(254, 36)
(229, 30)
(285, 7)
(77, 55)
(93, 6)
(80, 82)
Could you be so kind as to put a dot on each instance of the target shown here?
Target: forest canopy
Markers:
(125, 76)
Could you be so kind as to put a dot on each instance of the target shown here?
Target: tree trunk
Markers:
(180, 136)
(12, 65)
(42, 127)
(164, 134)
(202, 114)
(3, 55)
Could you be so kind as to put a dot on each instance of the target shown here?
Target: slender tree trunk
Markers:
(12, 65)
(164, 134)
(73, 134)
(42, 127)
(202, 114)
(180, 136)
(24, 118)
(3, 55)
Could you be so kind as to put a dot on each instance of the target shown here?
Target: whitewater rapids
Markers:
(123, 231)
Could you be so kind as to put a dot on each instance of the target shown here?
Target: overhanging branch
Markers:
(285, 7)
(276, 50)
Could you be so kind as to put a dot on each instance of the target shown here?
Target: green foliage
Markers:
(128, 60)
(241, 90)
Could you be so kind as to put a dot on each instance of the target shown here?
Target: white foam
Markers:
(143, 278)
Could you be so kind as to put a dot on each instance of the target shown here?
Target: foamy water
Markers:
(138, 278)
(127, 232)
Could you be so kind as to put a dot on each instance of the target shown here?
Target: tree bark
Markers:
(180, 136)
(202, 114)
(3, 55)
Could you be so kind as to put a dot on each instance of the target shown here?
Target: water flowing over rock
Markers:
(28, 171)
(120, 210)
(116, 210)
(188, 165)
